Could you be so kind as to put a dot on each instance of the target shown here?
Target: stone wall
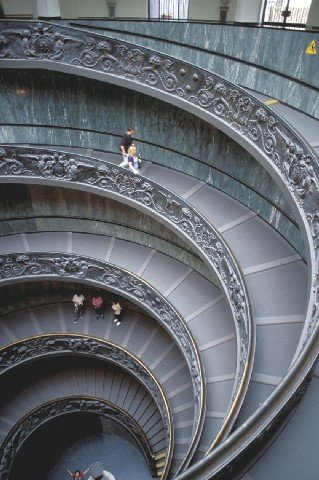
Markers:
(49, 108)
(271, 61)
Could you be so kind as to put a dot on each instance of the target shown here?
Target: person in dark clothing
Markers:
(126, 142)
(98, 305)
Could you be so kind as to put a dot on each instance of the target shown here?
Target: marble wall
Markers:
(270, 61)
(34, 208)
(45, 104)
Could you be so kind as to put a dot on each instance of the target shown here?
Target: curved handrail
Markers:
(275, 144)
(29, 165)
(37, 417)
(219, 169)
(40, 346)
(105, 27)
(44, 265)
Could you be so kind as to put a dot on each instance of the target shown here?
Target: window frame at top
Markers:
(282, 22)
(162, 18)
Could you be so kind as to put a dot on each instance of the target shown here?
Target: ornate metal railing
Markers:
(290, 161)
(18, 435)
(29, 349)
(17, 267)
(23, 164)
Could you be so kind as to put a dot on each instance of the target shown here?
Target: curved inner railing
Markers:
(30, 423)
(22, 164)
(29, 349)
(16, 267)
(290, 161)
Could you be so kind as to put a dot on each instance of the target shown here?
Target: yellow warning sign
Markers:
(311, 49)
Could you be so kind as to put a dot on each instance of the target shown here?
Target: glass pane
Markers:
(298, 11)
(169, 9)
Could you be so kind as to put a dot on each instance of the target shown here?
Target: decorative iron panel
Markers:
(34, 348)
(63, 406)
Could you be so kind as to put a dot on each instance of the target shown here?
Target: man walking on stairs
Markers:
(126, 142)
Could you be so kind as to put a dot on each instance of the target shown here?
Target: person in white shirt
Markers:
(116, 306)
(78, 301)
(98, 472)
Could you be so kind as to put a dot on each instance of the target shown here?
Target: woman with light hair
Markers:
(134, 163)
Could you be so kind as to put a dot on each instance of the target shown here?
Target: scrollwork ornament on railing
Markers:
(114, 179)
(42, 41)
(31, 348)
(173, 209)
(54, 409)
(262, 129)
(64, 265)
(20, 265)
(109, 276)
(10, 165)
(313, 219)
(111, 178)
(300, 173)
(37, 347)
(38, 41)
(230, 107)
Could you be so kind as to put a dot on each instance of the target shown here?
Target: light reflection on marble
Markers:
(241, 44)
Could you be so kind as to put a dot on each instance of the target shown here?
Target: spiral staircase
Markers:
(219, 335)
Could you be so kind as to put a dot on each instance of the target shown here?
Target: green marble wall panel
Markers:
(34, 208)
(279, 50)
(251, 57)
(27, 201)
(56, 224)
(179, 139)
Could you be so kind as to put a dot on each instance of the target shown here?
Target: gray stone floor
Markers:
(117, 455)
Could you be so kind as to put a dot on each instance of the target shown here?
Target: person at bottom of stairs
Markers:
(116, 306)
(78, 473)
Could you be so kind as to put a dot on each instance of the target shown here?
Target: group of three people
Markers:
(98, 305)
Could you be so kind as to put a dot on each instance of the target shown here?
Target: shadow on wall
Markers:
(76, 441)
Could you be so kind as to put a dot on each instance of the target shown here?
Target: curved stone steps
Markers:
(201, 303)
(297, 440)
(67, 378)
(140, 335)
(276, 276)
(280, 318)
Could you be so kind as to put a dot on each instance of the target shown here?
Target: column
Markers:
(248, 11)
(48, 9)
(313, 16)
